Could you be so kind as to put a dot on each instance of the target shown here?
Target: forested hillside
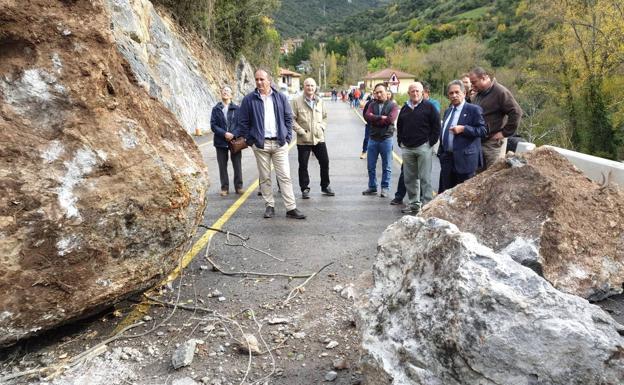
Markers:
(563, 60)
(297, 18)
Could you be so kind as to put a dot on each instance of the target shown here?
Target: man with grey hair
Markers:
(500, 110)
(460, 141)
(223, 124)
(265, 121)
(310, 122)
(418, 129)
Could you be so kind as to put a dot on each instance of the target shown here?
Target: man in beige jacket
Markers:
(309, 122)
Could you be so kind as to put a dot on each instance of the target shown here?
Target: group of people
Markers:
(472, 133)
(267, 120)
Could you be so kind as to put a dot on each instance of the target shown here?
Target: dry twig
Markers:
(293, 293)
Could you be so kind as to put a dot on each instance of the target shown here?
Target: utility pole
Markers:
(325, 75)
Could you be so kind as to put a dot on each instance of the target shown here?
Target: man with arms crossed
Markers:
(265, 121)
(309, 122)
(381, 115)
(460, 142)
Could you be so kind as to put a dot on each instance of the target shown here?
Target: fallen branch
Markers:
(245, 273)
(293, 293)
(243, 243)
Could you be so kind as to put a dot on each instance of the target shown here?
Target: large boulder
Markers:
(446, 310)
(101, 189)
(548, 215)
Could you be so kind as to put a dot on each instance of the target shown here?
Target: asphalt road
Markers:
(342, 230)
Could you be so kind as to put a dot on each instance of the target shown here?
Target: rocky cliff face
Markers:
(183, 74)
(101, 188)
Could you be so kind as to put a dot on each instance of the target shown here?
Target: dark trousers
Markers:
(401, 189)
(366, 135)
(222, 161)
(320, 152)
(448, 177)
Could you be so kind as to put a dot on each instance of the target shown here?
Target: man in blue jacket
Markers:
(223, 124)
(460, 140)
(265, 121)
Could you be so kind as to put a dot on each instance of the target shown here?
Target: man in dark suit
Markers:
(460, 139)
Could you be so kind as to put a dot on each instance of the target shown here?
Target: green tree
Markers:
(356, 64)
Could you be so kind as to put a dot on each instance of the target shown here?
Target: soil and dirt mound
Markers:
(100, 187)
(541, 201)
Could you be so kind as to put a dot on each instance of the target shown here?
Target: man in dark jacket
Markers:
(223, 124)
(265, 121)
(418, 128)
(381, 115)
(500, 110)
(460, 141)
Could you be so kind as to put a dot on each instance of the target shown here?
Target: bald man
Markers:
(310, 122)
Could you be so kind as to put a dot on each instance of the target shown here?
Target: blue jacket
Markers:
(251, 118)
(467, 155)
(219, 124)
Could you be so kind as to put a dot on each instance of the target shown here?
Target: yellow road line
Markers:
(394, 154)
(141, 309)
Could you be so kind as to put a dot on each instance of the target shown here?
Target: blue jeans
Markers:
(376, 148)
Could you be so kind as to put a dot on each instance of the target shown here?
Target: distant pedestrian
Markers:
(265, 119)
(381, 114)
(334, 94)
(418, 129)
(310, 122)
(460, 141)
(501, 112)
(223, 124)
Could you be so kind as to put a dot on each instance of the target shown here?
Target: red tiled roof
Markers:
(387, 73)
(286, 72)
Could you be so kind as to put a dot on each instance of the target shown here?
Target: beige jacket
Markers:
(309, 124)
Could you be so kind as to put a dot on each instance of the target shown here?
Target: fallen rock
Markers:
(575, 226)
(331, 345)
(340, 364)
(184, 381)
(95, 203)
(250, 344)
(331, 376)
(183, 355)
(445, 309)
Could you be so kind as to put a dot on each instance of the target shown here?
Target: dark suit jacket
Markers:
(467, 156)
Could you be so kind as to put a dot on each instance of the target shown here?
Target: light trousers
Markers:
(272, 153)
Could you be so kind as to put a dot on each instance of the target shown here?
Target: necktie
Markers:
(445, 138)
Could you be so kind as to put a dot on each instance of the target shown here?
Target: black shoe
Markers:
(269, 212)
(305, 194)
(410, 210)
(396, 201)
(294, 213)
(259, 193)
(328, 191)
(369, 191)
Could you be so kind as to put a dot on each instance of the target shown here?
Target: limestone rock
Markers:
(173, 70)
(575, 226)
(446, 310)
(101, 189)
(183, 355)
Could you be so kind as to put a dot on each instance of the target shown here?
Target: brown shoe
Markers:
(223, 193)
(240, 191)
